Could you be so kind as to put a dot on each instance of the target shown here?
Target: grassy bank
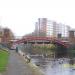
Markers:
(3, 60)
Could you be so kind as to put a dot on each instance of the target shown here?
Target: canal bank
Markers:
(35, 69)
(18, 66)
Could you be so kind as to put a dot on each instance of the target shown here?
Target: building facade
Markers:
(46, 27)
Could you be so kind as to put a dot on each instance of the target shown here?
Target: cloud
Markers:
(21, 15)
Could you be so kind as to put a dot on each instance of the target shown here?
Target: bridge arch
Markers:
(62, 47)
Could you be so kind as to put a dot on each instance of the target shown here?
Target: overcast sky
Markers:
(21, 15)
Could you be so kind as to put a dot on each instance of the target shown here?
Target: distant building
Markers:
(72, 36)
(46, 27)
(42, 23)
(1, 33)
(49, 29)
(7, 37)
(63, 30)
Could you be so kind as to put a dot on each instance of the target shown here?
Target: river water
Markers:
(54, 66)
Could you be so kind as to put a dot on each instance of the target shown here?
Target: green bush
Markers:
(44, 49)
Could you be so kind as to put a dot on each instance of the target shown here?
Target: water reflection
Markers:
(55, 66)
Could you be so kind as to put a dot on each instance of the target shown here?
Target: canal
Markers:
(54, 66)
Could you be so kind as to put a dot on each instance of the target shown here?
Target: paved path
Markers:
(17, 66)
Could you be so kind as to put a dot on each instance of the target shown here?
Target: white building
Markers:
(46, 27)
(49, 28)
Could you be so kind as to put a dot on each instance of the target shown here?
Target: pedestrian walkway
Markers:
(17, 66)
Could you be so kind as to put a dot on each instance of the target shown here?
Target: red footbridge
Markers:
(62, 45)
(45, 40)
